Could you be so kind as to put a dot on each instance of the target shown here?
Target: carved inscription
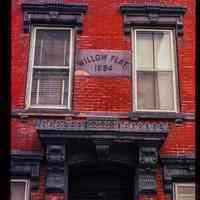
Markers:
(103, 63)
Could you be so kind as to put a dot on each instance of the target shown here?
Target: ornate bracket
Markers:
(56, 14)
(26, 164)
(177, 168)
(102, 150)
(55, 155)
(153, 16)
(148, 158)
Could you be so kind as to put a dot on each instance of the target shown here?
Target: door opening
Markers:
(107, 181)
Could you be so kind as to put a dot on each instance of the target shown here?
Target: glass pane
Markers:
(183, 189)
(155, 90)
(145, 90)
(162, 48)
(49, 87)
(144, 50)
(17, 190)
(185, 192)
(164, 91)
(52, 48)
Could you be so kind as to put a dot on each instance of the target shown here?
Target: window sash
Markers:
(49, 85)
(185, 196)
(154, 83)
(165, 69)
(26, 189)
(32, 67)
(51, 46)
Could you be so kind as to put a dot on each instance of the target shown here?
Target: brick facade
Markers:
(92, 95)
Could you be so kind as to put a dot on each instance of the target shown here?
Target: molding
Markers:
(180, 168)
(162, 115)
(42, 112)
(122, 115)
(148, 159)
(55, 155)
(90, 152)
(153, 16)
(26, 164)
(56, 14)
(102, 124)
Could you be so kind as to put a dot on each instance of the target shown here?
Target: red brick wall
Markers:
(102, 94)
(103, 29)
(24, 135)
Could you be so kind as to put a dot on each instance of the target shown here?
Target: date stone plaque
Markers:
(99, 62)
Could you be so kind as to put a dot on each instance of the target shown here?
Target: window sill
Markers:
(33, 112)
(178, 117)
(42, 112)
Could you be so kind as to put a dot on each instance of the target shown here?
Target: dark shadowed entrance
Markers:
(103, 181)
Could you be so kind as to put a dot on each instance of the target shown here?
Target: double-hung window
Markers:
(155, 70)
(184, 191)
(50, 68)
(19, 189)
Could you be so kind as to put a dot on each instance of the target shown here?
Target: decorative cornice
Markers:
(153, 16)
(56, 14)
(102, 128)
(102, 124)
(129, 8)
(26, 164)
(177, 168)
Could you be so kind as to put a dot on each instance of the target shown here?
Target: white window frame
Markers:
(175, 185)
(27, 186)
(31, 67)
(134, 71)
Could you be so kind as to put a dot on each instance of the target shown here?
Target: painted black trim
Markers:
(55, 14)
(177, 168)
(148, 159)
(55, 156)
(153, 16)
(154, 9)
(70, 8)
(26, 164)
